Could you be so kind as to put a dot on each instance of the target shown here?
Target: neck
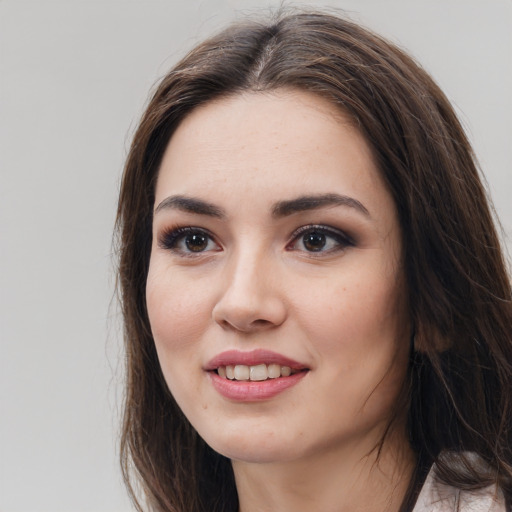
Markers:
(334, 481)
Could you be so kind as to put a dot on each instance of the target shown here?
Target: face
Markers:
(275, 289)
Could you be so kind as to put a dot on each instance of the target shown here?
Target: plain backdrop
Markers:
(74, 77)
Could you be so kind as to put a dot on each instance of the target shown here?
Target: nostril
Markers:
(242, 326)
(261, 322)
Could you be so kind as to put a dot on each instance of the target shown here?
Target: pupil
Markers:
(314, 241)
(196, 243)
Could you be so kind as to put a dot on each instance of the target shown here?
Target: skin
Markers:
(339, 311)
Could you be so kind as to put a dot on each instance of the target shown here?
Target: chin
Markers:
(256, 455)
(260, 447)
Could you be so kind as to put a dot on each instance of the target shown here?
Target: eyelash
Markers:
(170, 239)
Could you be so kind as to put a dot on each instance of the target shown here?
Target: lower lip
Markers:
(254, 391)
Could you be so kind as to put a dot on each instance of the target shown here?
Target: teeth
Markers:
(274, 371)
(241, 372)
(257, 372)
(286, 371)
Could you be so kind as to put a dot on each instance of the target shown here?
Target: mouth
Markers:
(253, 376)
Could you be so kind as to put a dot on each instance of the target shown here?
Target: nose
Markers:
(250, 300)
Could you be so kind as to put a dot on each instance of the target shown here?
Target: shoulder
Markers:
(438, 497)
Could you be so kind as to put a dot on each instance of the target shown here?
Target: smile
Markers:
(259, 372)
(253, 376)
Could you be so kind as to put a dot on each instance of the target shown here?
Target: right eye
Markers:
(188, 240)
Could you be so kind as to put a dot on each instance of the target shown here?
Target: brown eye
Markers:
(314, 241)
(196, 243)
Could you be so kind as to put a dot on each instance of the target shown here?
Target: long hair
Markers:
(458, 394)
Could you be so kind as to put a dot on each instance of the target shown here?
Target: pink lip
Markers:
(253, 391)
(254, 357)
(249, 391)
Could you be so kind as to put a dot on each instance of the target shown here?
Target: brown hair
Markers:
(460, 378)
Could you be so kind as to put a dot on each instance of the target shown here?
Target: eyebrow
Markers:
(279, 209)
(305, 203)
(191, 205)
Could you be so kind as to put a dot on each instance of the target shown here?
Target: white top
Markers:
(438, 497)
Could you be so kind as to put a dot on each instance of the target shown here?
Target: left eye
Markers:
(188, 240)
(319, 239)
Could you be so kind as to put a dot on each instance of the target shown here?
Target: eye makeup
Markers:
(313, 239)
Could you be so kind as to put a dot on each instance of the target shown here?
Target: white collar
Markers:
(438, 497)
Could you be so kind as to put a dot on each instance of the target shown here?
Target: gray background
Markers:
(74, 76)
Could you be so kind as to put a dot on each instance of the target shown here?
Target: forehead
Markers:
(256, 146)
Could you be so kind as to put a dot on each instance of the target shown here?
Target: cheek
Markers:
(355, 312)
(177, 310)
(178, 318)
(359, 330)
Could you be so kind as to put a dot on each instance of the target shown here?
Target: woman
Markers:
(317, 310)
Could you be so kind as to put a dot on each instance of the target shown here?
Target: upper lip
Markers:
(252, 358)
